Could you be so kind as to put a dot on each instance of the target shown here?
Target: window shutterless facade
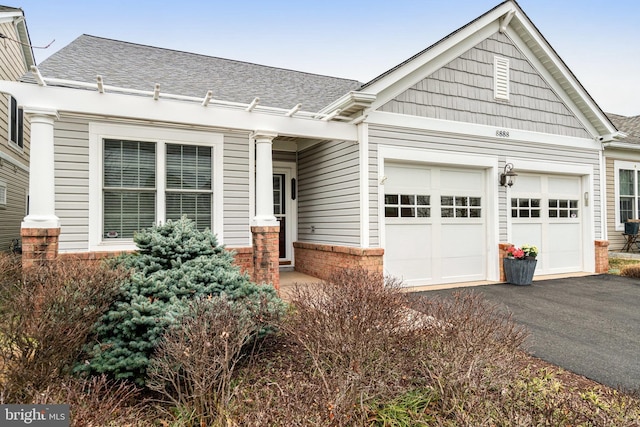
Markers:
(627, 192)
(145, 176)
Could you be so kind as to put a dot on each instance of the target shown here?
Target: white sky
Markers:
(598, 39)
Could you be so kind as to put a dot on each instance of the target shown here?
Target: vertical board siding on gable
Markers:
(71, 153)
(500, 149)
(329, 194)
(462, 91)
(236, 190)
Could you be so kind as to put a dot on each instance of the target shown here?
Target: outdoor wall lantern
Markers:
(507, 177)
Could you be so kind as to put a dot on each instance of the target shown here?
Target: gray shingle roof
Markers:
(628, 125)
(135, 66)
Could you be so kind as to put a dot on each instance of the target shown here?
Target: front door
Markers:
(284, 208)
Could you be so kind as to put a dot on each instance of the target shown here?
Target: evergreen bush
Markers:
(176, 263)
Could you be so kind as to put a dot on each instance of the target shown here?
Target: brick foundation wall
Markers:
(39, 244)
(320, 260)
(244, 259)
(266, 253)
(502, 254)
(602, 256)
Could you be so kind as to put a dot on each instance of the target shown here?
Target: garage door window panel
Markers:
(407, 206)
(563, 208)
(460, 207)
(525, 208)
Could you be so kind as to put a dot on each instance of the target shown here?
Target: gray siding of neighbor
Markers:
(463, 91)
(329, 194)
(72, 186)
(11, 68)
(12, 214)
(411, 138)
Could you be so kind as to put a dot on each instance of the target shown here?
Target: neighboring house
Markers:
(403, 173)
(16, 58)
(623, 178)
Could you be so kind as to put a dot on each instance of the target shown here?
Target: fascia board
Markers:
(444, 51)
(9, 16)
(474, 131)
(559, 65)
(92, 103)
(621, 146)
(349, 99)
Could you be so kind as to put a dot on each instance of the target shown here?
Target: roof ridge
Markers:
(219, 58)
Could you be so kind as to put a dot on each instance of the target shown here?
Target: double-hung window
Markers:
(16, 124)
(627, 182)
(145, 176)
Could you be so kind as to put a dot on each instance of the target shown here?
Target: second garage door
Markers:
(435, 226)
(546, 211)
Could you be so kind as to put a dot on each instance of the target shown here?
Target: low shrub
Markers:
(471, 352)
(193, 366)
(354, 329)
(632, 270)
(47, 315)
(97, 401)
(176, 263)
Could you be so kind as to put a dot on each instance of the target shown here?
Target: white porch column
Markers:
(264, 179)
(42, 209)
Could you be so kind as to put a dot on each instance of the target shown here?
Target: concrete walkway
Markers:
(588, 325)
(291, 279)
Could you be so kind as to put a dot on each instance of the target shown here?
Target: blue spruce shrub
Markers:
(175, 264)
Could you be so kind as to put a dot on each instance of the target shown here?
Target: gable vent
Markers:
(501, 78)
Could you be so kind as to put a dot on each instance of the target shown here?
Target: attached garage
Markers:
(547, 211)
(435, 220)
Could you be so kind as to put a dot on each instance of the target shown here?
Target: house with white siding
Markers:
(427, 172)
(16, 58)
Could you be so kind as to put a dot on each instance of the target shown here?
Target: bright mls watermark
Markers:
(35, 415)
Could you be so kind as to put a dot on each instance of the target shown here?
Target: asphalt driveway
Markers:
(588, 325)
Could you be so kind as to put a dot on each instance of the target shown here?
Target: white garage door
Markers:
(546, 211)
(435, 227)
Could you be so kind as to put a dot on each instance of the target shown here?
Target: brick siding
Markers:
(321, 260)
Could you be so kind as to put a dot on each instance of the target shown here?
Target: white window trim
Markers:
(501, 87)
(100, 131)
(617, 165)
(3, 194)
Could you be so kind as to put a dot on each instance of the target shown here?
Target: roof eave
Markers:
(350, 103)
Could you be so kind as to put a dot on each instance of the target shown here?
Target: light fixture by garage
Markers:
(507, 177)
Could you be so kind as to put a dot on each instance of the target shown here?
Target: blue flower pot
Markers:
(519, 271)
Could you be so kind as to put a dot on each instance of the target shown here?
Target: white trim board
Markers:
(475, 130)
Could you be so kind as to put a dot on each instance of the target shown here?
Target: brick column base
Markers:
(502, 254)
(602, 256)
(266, 255)
(322, 261)
(39, 244)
